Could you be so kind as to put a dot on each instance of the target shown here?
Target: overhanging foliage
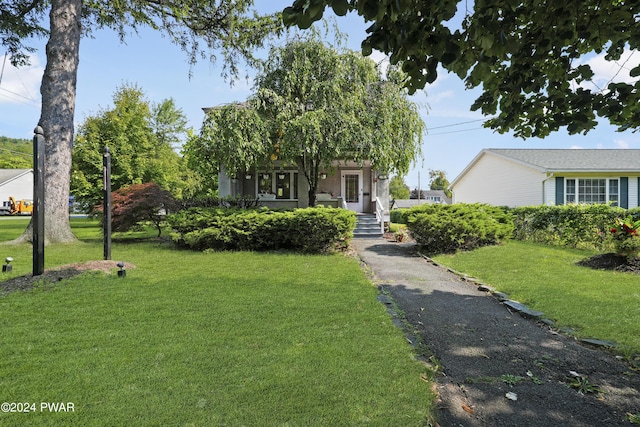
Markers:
(528, 56)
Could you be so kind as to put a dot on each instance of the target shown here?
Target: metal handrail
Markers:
(380, 214)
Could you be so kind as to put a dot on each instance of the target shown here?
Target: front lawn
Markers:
(190, 338)
(594, 303)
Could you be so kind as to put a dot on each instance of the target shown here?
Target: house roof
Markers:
(556, 160)
(7, 175)
(565, 160)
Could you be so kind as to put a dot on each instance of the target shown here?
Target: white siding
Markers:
(500, 182)
(20, 188)
(633, 192)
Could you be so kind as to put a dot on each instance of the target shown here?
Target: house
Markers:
(525, 177)
(426, 197)
(16, 183)
(358, 188)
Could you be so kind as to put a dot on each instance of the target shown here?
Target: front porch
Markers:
(360, 189)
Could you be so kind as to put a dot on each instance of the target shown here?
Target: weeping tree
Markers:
(200, 27)
(313, 106)
(529, 57)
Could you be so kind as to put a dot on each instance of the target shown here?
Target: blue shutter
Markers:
(624, 192)
(559, 190)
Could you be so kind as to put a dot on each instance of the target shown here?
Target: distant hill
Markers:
(16, 153)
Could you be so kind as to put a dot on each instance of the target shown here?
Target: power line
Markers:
(19, 153)
(3, 63)
(454, 131)
(25, 100)
(461, 123)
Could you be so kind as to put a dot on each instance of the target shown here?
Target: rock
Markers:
(523, 309)
(384, 299)
(599, 343)
(485, 288)
(548, 322)
(501, 296)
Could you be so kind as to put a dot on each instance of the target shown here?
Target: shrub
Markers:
(625, 237)
(397, 216)
(313, 230)
(448, 228)
(139, 203)
(578, 226)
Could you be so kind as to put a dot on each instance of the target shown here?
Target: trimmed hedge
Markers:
(578, 226)
(447, 228)
(397, 216)
(313, 230)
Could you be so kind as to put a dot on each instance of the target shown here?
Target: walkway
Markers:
(490, 356)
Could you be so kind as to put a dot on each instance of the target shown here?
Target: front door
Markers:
(352, 190)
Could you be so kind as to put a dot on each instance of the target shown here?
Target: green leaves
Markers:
(140, 138)
(314, 106)
(521, 54)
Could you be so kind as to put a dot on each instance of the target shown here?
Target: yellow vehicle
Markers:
(17, 207)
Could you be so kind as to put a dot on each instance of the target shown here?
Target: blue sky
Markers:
(149, 60)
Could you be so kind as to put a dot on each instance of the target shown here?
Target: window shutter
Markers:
(624, 192)
(559, 190)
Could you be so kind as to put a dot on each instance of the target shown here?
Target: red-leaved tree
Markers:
(139, 203)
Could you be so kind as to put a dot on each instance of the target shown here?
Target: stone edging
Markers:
(528, 313)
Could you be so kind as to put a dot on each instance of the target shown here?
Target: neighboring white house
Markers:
(17, 183)
(427, 197)
(526, 177)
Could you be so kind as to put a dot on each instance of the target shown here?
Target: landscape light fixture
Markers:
(7, 267)
(122, 272)
(323, 176)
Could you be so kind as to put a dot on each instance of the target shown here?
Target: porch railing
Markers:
(380, 214)
(344, 203)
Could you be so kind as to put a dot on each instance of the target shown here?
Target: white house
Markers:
(526, 177)
(17, 183)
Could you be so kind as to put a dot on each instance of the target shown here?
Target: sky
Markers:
(161, 70)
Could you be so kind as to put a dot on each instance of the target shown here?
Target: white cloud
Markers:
(440, 96)
(381, 59)
(606, 72)
(576, 147)
(620, 143)
(21, 85)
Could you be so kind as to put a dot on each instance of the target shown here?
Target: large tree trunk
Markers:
(58, 90)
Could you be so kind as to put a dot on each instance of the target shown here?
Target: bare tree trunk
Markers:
(58, 90)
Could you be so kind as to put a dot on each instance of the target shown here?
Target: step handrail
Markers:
(380, 214)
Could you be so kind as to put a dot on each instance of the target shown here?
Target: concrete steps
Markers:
(367, 226)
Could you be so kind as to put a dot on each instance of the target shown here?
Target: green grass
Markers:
(595, 304)
(205, 339)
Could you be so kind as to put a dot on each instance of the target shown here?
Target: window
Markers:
(592, 190)
(264, 183)
(282, 184)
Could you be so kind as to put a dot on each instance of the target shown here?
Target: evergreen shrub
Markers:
(397, 216)
(575, 225)
(448, 228)
(311, 230)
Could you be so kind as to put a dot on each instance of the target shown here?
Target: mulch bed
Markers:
(24, 283)
(611, 261)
